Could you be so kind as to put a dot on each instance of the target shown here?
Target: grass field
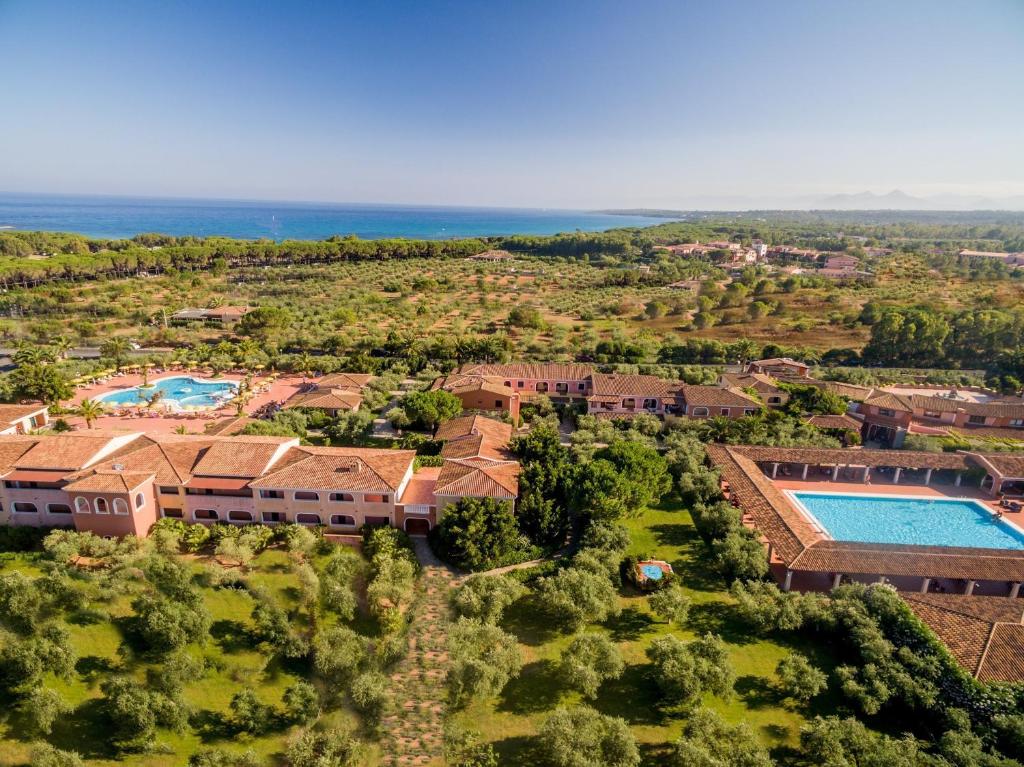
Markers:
(232, 663)
(510, 720)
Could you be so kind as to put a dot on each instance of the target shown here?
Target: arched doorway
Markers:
(417, 526)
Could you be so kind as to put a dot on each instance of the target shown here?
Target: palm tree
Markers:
(27, 354)
(306, 365)
(62, 344)
(116, 349)
(90, 410)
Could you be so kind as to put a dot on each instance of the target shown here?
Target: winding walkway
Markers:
(414, 732)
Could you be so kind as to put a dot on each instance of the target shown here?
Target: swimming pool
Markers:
(914, 520)
(177, 391)
(652, 571)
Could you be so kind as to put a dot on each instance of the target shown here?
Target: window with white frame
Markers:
(120, 506)
(81, 505)
(100, 506)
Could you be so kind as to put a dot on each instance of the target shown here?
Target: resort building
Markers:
(767, 388)
(827, 516)
(716, 402)
(119, 483)
(889, 416)
(479, 392)
(22, 419)
(561, 382)
(780, 367)
(614, 395)
(333, 394)
(221, 315)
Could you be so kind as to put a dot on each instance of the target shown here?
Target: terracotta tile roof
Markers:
(890, 401)
(464, 479)
(1007, 464)
(475, 446)
(900, 560)
(13, 447)
(758, 381)
(420, 489)
(340, 468)
(498, 432)
(326, 399)
(713, 396)
(229, 427)
(170, 459)
(789, 532)
(11, 413)
(71, 451)
(466, 384)
(984, 634)
(626, 385)
(998, 432)
(344, 381)
(779, 361)
(547, 371)
(248, 456)
(843, 421)
(109, 482)
(996, 409)
(905, 459)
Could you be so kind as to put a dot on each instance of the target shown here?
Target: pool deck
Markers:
(138, 419)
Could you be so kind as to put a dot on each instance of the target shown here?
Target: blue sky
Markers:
(565, 104)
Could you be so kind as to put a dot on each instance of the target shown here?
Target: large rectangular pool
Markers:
(917, 521)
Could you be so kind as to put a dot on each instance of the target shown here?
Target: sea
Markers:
(122, 217)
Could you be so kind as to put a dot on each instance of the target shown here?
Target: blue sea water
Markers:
(914, 521)
(119, 217)
(183, 391)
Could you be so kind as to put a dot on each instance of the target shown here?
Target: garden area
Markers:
(224, 648)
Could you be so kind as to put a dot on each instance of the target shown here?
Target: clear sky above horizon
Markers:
(553, 104)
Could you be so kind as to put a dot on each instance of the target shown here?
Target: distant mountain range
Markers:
(897, 200)
(894, 200)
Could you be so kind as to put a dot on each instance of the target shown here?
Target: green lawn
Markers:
(233, 663)
(510, 720)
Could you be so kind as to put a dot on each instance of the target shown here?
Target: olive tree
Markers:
(589, 661)
(581, 737)
(483, 659)
(798, 679)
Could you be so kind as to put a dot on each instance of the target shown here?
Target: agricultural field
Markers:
(573, 303)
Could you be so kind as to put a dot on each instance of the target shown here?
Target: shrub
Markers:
(574, 597)
(45, 755)
(798, 679)
(326, 748)
(478, 534)
(369, 692)
(670, 604)
(684, 671)
(708, 740)
(301, 702)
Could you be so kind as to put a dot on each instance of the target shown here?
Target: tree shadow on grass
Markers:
(211, 726)
(719, 618)
(529, 624)
(629, 625)
(517, 750)
(86, 730)
(537, 688)
(87, 617)
(757, 692)
(89, 667)
(633, 696)
(654, 754)
(232, 636)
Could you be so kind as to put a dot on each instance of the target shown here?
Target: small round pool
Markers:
(652, 572)
(177, 391)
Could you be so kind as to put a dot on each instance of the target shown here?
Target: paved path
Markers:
(413, 734)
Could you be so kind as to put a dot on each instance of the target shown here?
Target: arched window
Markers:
(238, 515)
(120, 506)
(307, 519)
(140, 501)
(100, 504)
(58, 508)
(81, 505)
(25, 508)
(342, 498)
(205, 514)
(343, 520)
(699, 412)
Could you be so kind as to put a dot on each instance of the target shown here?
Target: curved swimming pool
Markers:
(177, 391)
